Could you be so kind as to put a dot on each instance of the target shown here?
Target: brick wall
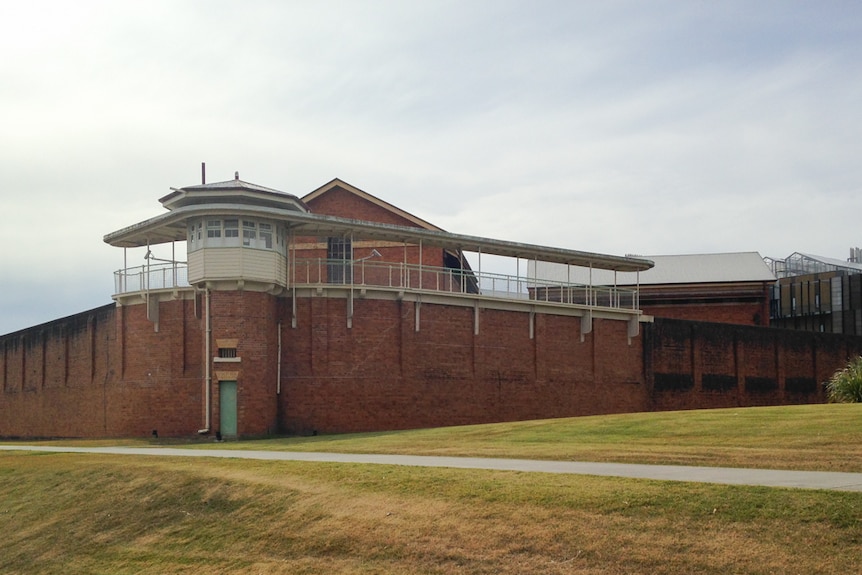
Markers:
(104, 373)
(108, 372)
(736, 303)
(160, 386)
(250, 318)
(345, 204)
(53, 376)
(735, 313)
(383, 373)
(696, 365)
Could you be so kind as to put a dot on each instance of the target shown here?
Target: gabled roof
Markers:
(673, 269)
(339, 183)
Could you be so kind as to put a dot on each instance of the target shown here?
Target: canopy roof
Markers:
(172, 226)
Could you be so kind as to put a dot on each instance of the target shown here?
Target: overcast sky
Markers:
(648, 127)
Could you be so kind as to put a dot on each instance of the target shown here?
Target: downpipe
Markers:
(278, 365)
(207, 364)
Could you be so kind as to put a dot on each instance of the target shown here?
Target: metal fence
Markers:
(323, 272)
(416, 277)
(149, 277)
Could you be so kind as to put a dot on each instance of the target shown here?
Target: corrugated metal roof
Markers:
(670, 269)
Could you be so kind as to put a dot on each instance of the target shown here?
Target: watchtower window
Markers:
(249, 233)
(231, 228)
(213, 228)
(195, 231)
(266, 235)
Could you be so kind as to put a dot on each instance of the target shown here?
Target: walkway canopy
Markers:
(172, 226)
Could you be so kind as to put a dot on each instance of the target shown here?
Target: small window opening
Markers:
(227, 352)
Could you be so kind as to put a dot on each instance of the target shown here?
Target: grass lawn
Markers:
(76, 513)
(804, 437)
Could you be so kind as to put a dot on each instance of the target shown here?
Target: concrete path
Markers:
(724, 475)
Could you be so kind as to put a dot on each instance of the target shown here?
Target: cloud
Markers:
(668, 127)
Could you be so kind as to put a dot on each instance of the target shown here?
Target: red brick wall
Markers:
(108, 372)
(746, 304)
(251, 319)
(695, 365)
(735, 313)
(161, 382)
(53, 377)
(384, 374)
(80, 381)
(345, 204)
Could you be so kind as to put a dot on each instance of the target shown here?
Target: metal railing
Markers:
(150, 277)
(323, 272)
(426, 278)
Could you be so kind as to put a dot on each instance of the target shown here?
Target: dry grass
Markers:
(72, 513)
(77, 513)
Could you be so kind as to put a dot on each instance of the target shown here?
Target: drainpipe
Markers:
(207, 363)
(278, 376)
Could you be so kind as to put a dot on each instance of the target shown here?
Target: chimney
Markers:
(203, 173)
(236, 175)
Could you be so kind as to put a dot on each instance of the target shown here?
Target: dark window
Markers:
(227, 352)
(338, 253)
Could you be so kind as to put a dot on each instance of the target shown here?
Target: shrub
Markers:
(845, 386)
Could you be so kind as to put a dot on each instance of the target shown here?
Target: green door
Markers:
(227, 407)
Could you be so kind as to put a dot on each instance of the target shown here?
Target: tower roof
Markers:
(231, 191)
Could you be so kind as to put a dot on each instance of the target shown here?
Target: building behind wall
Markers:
(816, 293)
(722, 287)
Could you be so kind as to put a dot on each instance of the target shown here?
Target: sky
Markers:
(620, 127)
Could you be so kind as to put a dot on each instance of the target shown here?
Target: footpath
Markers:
(723, 475)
